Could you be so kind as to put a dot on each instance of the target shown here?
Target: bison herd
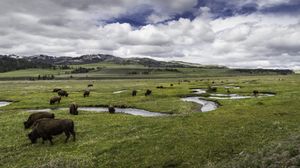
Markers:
(44, 124)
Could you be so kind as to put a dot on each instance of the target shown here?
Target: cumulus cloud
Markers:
(73, 28)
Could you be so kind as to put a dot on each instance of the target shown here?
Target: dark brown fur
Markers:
(55, 99)
(134, 92)
(86, 93)
(111, 109)
(46, 128)
(36, 116)
(148, 92)
(73, 109)
(56, 89)
(63, 93)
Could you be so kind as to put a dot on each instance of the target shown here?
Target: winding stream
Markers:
(4, 103)
(132, 111)
(206, 105)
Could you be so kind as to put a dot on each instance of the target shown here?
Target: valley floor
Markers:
(226, 137)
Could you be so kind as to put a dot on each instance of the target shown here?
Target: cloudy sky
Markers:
(235, 33)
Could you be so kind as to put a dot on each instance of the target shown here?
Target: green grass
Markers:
(32, 73)
(187, 139)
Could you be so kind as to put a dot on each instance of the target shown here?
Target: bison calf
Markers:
(35, 116)
(55, 99)
(46, 128)
(73, 109)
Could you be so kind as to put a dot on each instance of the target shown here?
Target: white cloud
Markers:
(69, 28)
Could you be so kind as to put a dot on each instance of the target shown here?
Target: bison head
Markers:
(32, 136)
(26, 125)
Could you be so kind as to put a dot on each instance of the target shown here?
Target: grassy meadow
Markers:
(227, 137)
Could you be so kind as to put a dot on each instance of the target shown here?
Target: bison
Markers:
(55, 99)
(111, 109)
(148, 92)
(63, 93)
(134, 92)
(73, 109)
(45, 128)
(171, 84)
(86, 93)
(255, 93)
(90, 85)
(56, 89)
(35, 116)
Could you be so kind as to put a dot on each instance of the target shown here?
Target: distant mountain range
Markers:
(14, 62)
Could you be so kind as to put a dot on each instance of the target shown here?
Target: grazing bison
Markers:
(134, 92)
(35, 116)
(111, 109)
(55, 99)
(148, 92)
(211, 89)
(159, 87)
(90, 85)
(45, 128)
(73, 109)
(63, 93)
(86, 93)
(56, 89)
(255, 93)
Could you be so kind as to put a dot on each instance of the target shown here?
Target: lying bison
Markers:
(35, 116)
(86, 93)
(111, 109)
(134, 92)
(56, 89)
(45, 128)
(63, 93)
(148, 92)
(73, 109)
(55, 99)
(90, 85)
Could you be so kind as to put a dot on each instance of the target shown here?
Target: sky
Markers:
(234, 33)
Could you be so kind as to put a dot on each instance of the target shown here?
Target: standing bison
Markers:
(86, 93)
(55, 99)
(255, 93)
(63, 93)
(134, 92)
(46, 128)
(148, 92)
(35, 116)
(111, 109)
(73, 109)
